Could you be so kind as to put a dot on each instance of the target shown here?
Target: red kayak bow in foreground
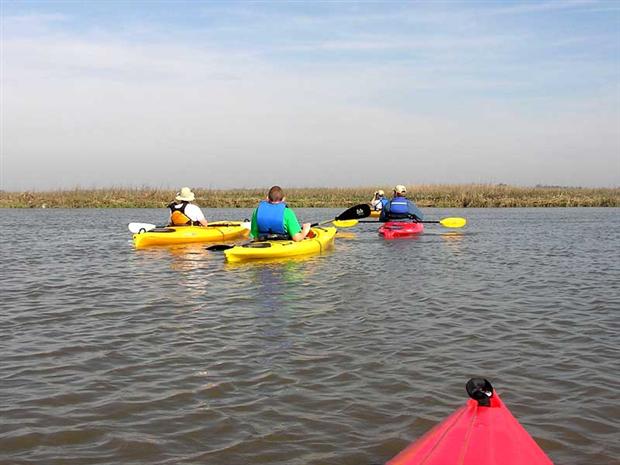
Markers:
(482, 432)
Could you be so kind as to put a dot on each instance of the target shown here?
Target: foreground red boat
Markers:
(482, 432)
(397, 229)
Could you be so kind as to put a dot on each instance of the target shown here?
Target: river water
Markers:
(169, 356)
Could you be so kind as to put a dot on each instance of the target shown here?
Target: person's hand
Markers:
(301, 235)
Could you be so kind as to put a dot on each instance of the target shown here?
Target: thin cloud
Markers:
(36, 19)
(425, 44)
(532, 7)
(459, 98)
(31, 24)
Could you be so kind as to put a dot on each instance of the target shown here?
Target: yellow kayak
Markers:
(322, 239)
(218, 231)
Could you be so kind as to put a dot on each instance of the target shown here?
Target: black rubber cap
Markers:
(480, 389)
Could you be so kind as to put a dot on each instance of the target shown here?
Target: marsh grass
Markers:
(443, 196)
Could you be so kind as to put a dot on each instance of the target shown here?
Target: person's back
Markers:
(185, 213)
(400, 207)
(274, 220)
(270, 220)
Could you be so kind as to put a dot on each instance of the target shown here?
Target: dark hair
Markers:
(275, 194)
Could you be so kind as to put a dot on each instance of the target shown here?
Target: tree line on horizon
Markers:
(426, 196)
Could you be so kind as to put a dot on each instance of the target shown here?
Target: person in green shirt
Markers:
(274, 220)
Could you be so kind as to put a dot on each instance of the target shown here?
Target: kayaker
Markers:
(274, 220)
(400, 207)
(376, 203)
(183, 213)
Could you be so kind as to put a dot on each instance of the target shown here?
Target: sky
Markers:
(338, 94)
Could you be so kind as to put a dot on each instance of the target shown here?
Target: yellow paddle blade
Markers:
(344, 223)
(453, 222)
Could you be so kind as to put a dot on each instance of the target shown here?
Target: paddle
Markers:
(446, 222)
(346, 219)
(136, 228)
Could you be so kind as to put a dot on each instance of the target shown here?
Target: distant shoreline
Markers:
(440, 196)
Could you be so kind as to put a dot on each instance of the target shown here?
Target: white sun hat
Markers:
(186, 195)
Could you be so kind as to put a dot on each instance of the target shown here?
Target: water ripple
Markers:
(170, 356)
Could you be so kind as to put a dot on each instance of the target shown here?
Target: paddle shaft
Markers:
(312, 225)
(381, 222)
(445, 222)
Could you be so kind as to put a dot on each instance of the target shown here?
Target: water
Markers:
(170, 356)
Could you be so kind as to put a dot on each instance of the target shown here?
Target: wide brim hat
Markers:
(400, 189)
(380, 192)
(185, 195)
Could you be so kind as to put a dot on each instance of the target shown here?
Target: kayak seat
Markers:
(273, 237)
(257, 245)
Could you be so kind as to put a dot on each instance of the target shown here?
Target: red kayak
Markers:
(482, 432)
(396, 229)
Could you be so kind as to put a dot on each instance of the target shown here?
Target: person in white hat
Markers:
(376, 203)
(400, 207)
(184, 213)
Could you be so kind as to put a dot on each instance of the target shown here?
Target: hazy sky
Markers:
(249, 94)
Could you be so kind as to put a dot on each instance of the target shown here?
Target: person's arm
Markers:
(385, 209)
(301, 235)
(414, 210)
(291, 224)
(254, 226)
(195, 214)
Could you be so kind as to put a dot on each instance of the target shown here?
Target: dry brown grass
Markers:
(445, 196)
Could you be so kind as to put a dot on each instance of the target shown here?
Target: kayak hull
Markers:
(220, 231)
(398, 229)
(475, 435)
(322, 239)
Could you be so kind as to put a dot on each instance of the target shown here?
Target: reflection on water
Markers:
(345, 234)
(191, 262)
(452, 236)
(269, 276)
(275, 300)
(170, 355)
(454, 240)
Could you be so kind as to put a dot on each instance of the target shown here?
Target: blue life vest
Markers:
(270, 218)
(399, 206)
